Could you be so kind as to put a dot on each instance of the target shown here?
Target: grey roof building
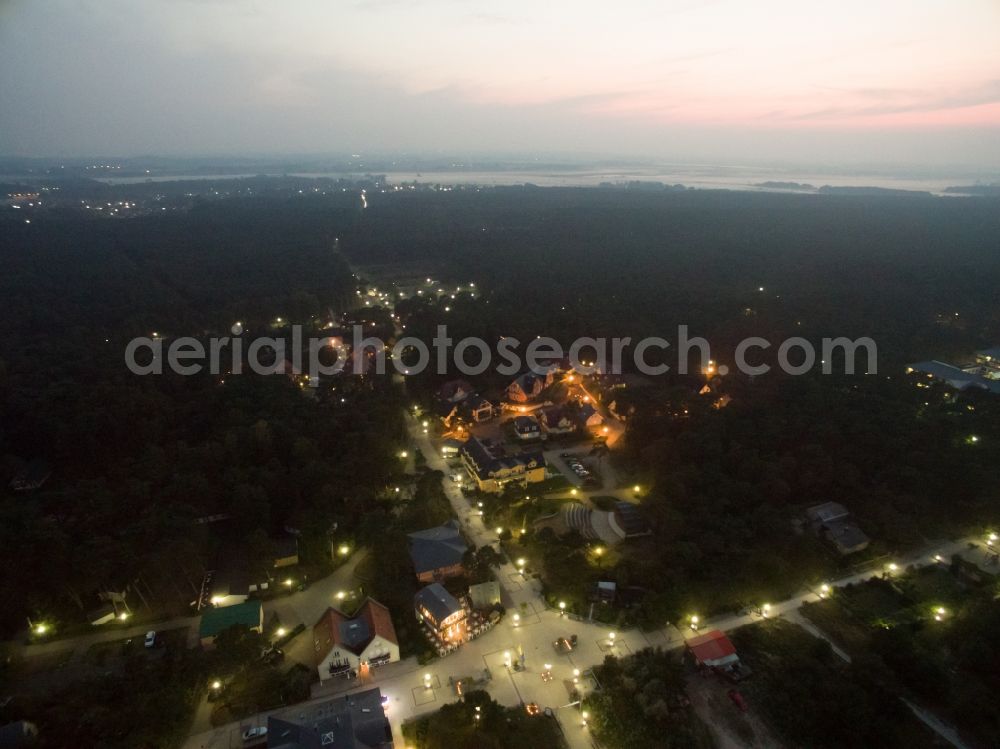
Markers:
(356, 721)
(436, 551)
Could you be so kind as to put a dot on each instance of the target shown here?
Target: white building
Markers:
(343, 644)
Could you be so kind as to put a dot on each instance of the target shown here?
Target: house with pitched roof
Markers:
(494, 471)
(712, 649)
(343, 644)
(437, 553)
(354, 721)
(441, 612)
(530, 385)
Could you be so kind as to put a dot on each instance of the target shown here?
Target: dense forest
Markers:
(136, 460)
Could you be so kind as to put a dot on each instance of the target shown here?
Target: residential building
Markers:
(558, 420)
(712, 650)
(527, 428)
(832, 521)
(345, 644)
(476, 409)
(437, 553)
(217, 620)
(355, 721)
(528, 386)
(441, 612)
(454, 391)
(494, 471)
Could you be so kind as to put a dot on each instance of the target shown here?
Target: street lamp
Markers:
(694, 621)
(341, 595)
(636, 488)
(562, 608)
(288, 583)
(499, 530)
(404, 454)
(41, 629)
(281, 632)
(216, 684)
(765, 610)
(824, 590)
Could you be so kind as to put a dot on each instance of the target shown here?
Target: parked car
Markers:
(151, 639)
(254, 734)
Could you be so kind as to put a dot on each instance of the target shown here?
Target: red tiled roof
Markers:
(379, 619)
(327, 631)
(711, 646)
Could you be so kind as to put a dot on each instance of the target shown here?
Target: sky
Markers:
(851, 81)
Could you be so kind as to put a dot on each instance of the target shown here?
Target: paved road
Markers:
(404, 682)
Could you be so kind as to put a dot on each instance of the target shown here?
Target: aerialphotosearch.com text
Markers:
(330, 355)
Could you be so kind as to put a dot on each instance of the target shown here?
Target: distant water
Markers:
(699, 176)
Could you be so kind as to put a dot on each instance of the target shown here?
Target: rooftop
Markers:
(436, 548)
(712, 649)
(437, 601)
(826, 512)
(216, 620)
(486, 463)
(356, 721)
(335, 628)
